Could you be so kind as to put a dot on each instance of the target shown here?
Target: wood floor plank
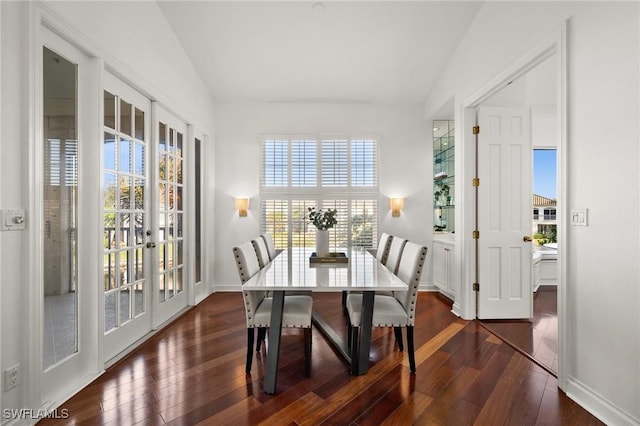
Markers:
(425, 351)
(449, 396)
(409, 410)
(192, 372)
(292, 412)
(483, 386)
(237, 414)
(374, 394)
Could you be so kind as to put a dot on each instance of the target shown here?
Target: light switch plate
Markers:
(579, 217)
(13, 220)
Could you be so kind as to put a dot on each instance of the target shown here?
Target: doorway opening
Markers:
(538, 337)
(551, 54)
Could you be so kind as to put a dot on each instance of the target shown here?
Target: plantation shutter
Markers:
(335, 163)
(337, 173)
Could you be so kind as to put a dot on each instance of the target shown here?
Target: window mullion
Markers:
(289, 164)
(349, 168)
(349, 220)
(289, 223)
(319, 163)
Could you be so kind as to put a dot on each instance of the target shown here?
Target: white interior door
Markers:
(504, 213)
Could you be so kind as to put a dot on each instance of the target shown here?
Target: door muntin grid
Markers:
(170, 212)
(124, 211)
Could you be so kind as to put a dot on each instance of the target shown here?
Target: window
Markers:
(337, 173)
(535, 214)
(549, 214)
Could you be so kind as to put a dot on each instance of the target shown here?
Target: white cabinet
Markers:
(443, 270)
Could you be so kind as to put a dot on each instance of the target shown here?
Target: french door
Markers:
(127, 212)
(143, 191)
(167, 221)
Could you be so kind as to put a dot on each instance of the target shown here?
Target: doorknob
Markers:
(151, 245)
(526, 239)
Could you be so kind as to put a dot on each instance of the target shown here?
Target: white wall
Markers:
(405, 169)
(536, 90)
(603, 296)
(14, 194)
(132, 37)
(136, 36)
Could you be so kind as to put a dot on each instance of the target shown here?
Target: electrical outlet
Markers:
(12, 377)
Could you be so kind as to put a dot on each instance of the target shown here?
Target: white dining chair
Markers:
(384, 244)
(395, 311)
(262, 252)
(271, 246)
(295, 314)
(395, 253)
(381, 254)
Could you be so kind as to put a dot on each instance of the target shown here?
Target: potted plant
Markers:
(323, 220)
(441, 191)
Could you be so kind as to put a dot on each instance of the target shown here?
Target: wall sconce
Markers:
(242, 205)
(396, 205)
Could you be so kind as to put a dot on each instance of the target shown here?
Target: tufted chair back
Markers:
(395, 253)
(383, 248)
(248, 266)
(409, 271)
(271, 246)
(261, 251)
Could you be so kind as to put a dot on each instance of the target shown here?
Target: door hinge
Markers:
(476, 182)
(476, 130)
(476, 286)
(476, 235)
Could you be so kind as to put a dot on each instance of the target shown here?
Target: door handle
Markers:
(526, 239)
(151, 245)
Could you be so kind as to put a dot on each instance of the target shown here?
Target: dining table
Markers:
(297, 269)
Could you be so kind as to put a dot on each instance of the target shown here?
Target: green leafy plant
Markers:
(442, 190)
(322, 219)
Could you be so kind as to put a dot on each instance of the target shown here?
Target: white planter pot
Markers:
(322, 243)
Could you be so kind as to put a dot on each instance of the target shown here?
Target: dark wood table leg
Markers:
(273, 353)
(364, 344)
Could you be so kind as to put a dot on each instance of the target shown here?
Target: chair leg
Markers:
(262, 332)
(250, 335)
(412, 356)
(307, 352)
(398, 332)
(354, 348)
(349, 329)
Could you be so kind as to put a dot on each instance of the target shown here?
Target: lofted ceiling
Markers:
(320, 52)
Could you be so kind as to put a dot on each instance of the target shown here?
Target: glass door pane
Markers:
(124, 211)
(170, 274)
(60, 207)
(170, 211)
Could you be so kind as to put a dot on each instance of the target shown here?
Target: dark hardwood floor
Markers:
(193, 373)
(539, 337)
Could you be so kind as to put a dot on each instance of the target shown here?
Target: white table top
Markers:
(291, 270)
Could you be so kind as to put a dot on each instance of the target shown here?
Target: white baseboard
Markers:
(226, 287)
(456, 309)
(597, 405)
(427, 287)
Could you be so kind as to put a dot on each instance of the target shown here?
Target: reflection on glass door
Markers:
(125, 216)
(60, 208)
